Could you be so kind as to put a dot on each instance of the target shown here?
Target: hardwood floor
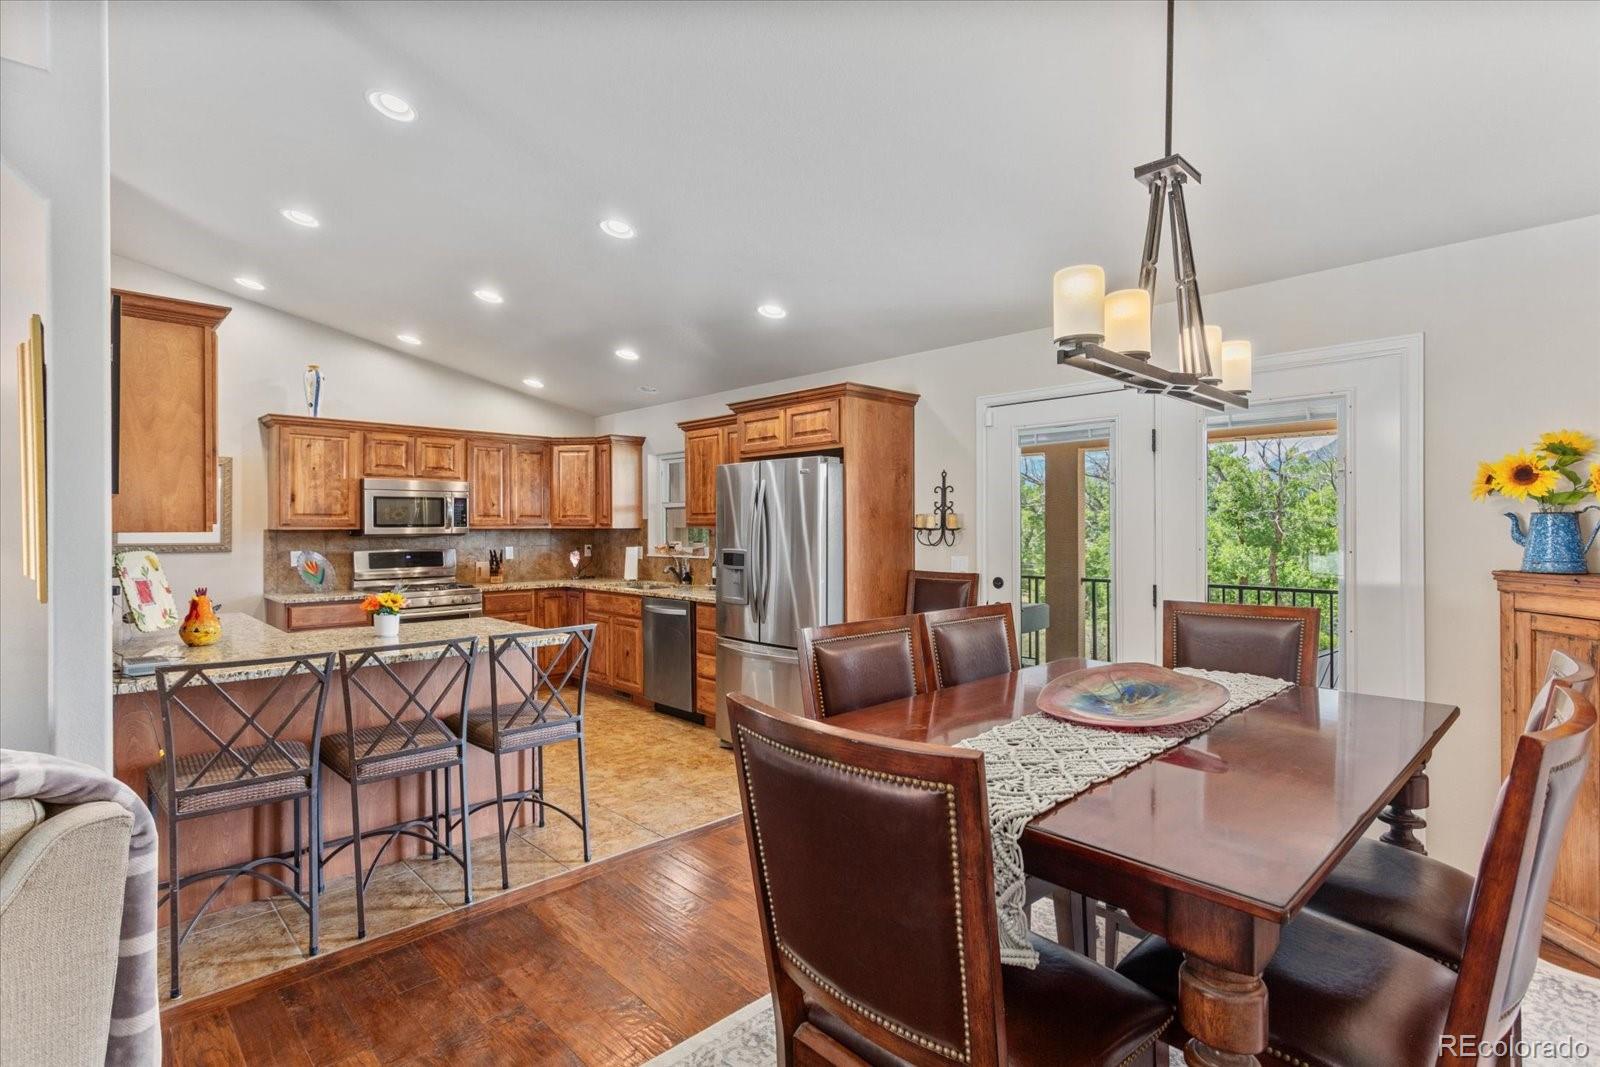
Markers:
(611, 963)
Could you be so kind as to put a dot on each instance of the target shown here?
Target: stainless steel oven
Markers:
(413, 506)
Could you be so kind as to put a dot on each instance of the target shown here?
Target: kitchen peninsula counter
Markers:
(245, 637)
(140, 741)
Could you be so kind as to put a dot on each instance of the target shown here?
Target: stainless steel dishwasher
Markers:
(669, 654)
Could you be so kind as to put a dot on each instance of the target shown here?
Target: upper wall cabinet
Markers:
(167, 410)
(315, 467)
(313, 476)
(396, 454)
(707, 444)
(872, 429)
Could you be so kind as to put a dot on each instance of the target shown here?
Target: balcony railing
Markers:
(1095, 640)
(1096, 637)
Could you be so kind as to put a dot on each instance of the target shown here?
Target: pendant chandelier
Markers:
(1109, 333)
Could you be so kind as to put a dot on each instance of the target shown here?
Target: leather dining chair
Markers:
(1341, 995)
(1264, 639)
(940, 590)
(1408, 897)
(875, 892)
(966, 644)
(857, 664)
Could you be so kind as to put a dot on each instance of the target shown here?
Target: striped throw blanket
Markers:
(135, 1038)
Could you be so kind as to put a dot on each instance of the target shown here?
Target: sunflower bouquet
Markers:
(1538, 475)
(390, 603)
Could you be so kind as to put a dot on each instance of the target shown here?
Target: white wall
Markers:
(261, 360)
(54, 137)
(1510, 326)
(24, 635)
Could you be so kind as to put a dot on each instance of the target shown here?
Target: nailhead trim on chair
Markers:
(961, 1055)
(1299, 659)
(816, 674)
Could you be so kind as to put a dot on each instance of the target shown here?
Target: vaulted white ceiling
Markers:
(900, 176)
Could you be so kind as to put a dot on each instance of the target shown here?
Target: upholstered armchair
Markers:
(63, 873)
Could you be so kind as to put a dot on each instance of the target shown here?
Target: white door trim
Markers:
(1406, 351)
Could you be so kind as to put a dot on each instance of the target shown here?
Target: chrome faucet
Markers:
(679, 568)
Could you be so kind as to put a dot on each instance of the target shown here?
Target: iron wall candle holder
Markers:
(941, 526)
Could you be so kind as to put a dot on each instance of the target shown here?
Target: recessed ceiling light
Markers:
(249, 283)
(391, 106)
(648, 389)
(617, 228)
(488, 296)
(533, 383)
(408, 338)
(772, 311)
(300, 218)
(628, 354)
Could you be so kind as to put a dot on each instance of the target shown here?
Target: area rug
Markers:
(1561, 1004)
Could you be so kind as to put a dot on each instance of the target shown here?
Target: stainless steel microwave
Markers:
(413, 507)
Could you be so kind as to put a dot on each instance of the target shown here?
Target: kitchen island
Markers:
(234, 836)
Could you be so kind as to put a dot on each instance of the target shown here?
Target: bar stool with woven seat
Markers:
(253, 757)
(403, 736)
(522, 718)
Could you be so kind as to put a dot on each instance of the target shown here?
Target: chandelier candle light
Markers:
(1109, 333)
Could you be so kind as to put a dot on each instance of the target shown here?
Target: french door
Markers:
(1096, 506)
(1069, 534)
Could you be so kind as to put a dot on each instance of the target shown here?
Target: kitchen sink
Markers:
(637, 584)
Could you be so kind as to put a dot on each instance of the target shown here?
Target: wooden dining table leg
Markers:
(1225, 1013)
(1403, 814)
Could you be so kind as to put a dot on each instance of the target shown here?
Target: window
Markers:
(669, 534)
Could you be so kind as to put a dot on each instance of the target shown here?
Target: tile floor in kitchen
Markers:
(650, 776)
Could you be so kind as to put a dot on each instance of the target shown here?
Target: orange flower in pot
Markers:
(201, 626)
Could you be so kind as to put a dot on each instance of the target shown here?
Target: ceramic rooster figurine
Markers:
(201, 626)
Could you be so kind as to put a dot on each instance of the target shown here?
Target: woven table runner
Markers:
(1033, 763)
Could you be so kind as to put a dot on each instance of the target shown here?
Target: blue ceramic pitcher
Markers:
(1553, 543)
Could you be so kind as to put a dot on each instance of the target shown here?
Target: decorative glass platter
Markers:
(1130, 696)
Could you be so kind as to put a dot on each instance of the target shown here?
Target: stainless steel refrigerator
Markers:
(780, 569)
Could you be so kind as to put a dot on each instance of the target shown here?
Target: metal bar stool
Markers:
(533, 717)
(407, 736)
(254, 762)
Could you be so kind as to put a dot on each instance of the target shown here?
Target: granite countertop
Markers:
(699, 594)
(245, 637)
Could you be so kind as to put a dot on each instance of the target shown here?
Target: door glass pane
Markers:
(1275, 514)
(1064, 493)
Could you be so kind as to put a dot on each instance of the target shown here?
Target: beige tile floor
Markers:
(650, 776)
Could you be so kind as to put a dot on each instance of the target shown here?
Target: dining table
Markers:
(1215, 844)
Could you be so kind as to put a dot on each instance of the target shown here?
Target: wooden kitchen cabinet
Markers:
(761, 432)
(513, 481)
(707, 444)
(167, 411)
(1539, 614)
(572, 484)
(488, 482)
(313, 476)
(530, 484)
(515, 605)
(441, 457)
(315, 615)
(389, 455)
(705, 661)
(618, 656)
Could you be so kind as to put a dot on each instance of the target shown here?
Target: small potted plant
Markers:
(1548, 476)
(385, 610)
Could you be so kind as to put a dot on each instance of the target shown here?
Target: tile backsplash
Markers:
(539, 554)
